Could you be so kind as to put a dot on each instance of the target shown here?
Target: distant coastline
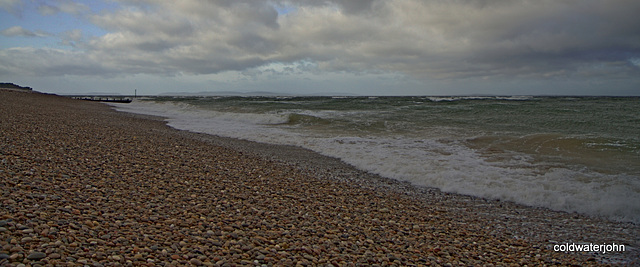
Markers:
(14, 86)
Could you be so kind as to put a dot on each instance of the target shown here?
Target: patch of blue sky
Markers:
(284, 9)
(21, 41)
(52, 27)
(98, 6)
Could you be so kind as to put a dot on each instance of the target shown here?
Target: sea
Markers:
(573, 154)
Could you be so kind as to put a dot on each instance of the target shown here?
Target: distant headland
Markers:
(14, 86)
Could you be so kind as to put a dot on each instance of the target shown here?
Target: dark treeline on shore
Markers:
(14, 86)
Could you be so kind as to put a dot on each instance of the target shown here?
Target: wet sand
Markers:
(82, 184)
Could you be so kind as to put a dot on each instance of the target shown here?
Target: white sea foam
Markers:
(447, 164)
(456, 98)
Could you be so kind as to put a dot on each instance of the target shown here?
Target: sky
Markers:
(360, 47)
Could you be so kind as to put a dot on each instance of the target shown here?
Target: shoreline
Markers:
(380, 216)
(539, 224)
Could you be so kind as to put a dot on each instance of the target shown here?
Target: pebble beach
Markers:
(84, 185)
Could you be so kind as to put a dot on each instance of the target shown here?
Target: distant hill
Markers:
(254, 93)
(222, 93)
(14, 86)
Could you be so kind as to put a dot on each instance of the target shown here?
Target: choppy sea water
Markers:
(575, 154)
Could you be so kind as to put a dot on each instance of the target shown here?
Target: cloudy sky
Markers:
(367, 47)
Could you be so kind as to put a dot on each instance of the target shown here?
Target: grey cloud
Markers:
(67, 6)
(145, 23)
(48, 9)
(49, 62)
(189, 37)
(9, 5)
(348, 6)
(354, 6)
(73, 35)
(19, 31)
(520, 38)
(565, 37)
(425, 39)
(72, 38)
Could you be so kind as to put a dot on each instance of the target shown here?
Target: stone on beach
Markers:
(36, 256)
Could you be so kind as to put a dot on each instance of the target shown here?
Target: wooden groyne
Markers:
(114, 99)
